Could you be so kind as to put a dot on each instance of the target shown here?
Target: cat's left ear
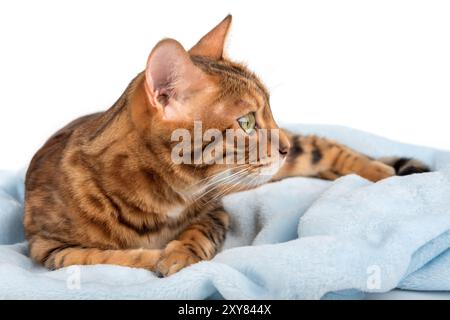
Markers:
(213, 43)
(170, 77)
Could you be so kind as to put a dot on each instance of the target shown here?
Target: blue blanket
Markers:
(298, 238)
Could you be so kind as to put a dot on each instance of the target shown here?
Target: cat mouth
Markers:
(261, 173)
(272, 169)
(239, 178)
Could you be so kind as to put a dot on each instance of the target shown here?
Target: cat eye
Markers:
(247, 122)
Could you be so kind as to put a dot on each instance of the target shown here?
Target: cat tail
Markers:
(405, 166)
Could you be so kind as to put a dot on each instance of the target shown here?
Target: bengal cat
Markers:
(104, 189)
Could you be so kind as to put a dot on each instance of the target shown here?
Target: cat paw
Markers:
(376, 171)
(174, 258)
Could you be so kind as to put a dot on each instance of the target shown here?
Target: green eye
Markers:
(247, 122)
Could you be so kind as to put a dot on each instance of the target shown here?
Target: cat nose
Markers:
(284, 150)
(284, 144)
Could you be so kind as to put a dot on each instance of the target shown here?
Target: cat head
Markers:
(201, 92)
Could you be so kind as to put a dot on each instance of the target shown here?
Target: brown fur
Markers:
(104, 190)
(320, 157)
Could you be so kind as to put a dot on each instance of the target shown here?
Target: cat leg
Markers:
(55, 255)
(200, 241)
(319, 157)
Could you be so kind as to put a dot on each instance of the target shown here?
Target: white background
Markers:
(380, 66)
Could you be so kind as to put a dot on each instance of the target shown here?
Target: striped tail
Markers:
(405, 166)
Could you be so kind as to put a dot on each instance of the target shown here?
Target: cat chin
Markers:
(263, 175)
(270, 170)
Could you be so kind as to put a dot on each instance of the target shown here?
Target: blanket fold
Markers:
(300, 238)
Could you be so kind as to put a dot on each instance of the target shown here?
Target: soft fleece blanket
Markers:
(300, 238)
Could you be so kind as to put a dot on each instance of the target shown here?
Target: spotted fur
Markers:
(323, 158)
(104, 190)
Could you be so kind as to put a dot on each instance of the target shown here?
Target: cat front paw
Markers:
(175, 257)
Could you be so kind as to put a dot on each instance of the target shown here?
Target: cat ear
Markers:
(213, 43)
(170, 75)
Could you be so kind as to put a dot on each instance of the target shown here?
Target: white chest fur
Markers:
(175, 212)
